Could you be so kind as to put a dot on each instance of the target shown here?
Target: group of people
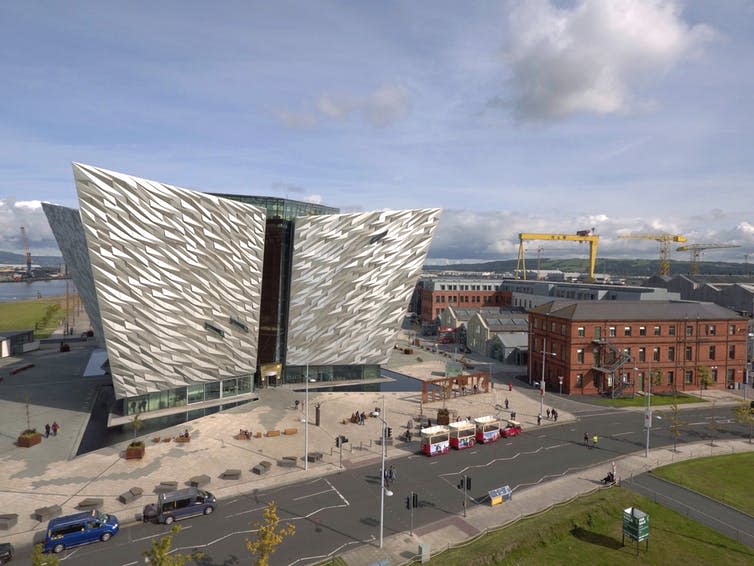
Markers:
(552, 413)
(359, 417)
(51, 428)
(595, 440)
(390, 476)
(242, 433)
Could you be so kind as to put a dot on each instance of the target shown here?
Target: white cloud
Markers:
(386, 105)
(594, 56)
(29, 214)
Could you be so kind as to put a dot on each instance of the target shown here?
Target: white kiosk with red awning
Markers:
(487, 429)
(462, 434)
(435, 440)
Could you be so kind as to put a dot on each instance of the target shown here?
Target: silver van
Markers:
(180, 504)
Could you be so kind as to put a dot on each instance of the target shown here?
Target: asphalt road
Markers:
(333, 513)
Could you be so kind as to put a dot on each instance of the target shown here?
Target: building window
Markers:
(711, 330)
(671, 330)
(642, 331)
(535, 323)
(580, 356)
(732, 352)
(552, 327)
(688, 376)
(671, 353)
(731, 375)
(711, 352)
(731, 329)
(656, 354)
(562, 329)
(689, 330)
(656, 330)
(626, 331)
(579, 380)
(713, 374)
(611, 331)
(671, 377)
(598, 332)
(581, 331)
(687, 354)
(642, 354)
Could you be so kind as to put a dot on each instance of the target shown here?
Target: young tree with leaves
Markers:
(675, 421)
(704, 378)
(39, 558)
(268, 535)
(161, 553)
(743, 415)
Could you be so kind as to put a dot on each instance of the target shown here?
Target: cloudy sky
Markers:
(529, 115)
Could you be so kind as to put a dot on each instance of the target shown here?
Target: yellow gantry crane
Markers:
(696, 252)
(580, 236)
(664, 240)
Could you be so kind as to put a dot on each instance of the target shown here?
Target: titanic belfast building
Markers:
(199, 298)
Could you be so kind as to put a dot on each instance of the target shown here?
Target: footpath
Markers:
(49, 474)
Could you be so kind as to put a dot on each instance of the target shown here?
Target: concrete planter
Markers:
(135, 451)
(27, 440)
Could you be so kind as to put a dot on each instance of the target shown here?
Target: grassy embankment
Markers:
(43, 315)
(725, 478)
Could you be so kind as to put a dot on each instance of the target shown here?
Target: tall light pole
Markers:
(542, 381)
(306, 420)
(648, 414)
(383, 488)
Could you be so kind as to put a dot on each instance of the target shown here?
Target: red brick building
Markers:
(465, 293)
(598, 346)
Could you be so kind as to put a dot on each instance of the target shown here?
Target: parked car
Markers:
(80, 528)
(512, 428)
(180, 504)
(6, 552)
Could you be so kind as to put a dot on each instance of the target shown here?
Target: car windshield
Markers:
(102, 517)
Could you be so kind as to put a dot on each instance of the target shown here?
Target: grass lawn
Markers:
(725, 478)
(23, 315)
(589, 531)
(657, 400)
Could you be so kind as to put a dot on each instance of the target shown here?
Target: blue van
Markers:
(78, 529)
(179, 504)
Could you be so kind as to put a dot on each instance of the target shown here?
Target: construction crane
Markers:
(25, 242)
(664, 240)
(696, 252)
(580, 236)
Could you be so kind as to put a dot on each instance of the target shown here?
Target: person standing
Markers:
(595, 440)
(506, 403)
(47, 430)
(586, 439)
(548, 414)
(55, 427)
(539, 419)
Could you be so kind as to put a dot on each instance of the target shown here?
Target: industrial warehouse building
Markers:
(196, 297)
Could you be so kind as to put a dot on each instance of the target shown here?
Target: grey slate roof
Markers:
(636, 310)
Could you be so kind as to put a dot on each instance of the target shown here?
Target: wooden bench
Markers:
(262, 468)
(131, 495)
(199, 481)
(90, 503)
(257, 434)
(166, 486)
(272, 433)
(314, 456)
(290, 431)
(182, 439)
(8, 521)
(231, 474)
(47, 513)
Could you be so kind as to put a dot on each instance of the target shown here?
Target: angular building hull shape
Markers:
(69, 232)
(178, 280)
(351, 281)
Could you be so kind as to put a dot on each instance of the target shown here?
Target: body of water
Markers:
(28, 290)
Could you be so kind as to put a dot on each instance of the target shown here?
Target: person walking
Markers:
(55, 427)
(548, 414)
(47, 430)
(586, 439)
(392, 475)
(506, 403)
(554, 415)
(539, 419)
(595, 440)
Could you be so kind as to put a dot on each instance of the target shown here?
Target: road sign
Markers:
(635, 524)
(648, 418)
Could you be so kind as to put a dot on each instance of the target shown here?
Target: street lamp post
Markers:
(306, 421)
(542, 381)
(383, 488)
(648, 414)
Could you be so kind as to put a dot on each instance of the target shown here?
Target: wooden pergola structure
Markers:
(443, 388)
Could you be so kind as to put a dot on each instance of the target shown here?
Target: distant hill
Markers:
(615, 267)
(20, 259)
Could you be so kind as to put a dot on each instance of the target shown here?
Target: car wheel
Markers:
(208, 510)
(58, 548)
(169, 520)
(105, 537)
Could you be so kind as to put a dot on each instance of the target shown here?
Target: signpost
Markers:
(560, 381)
(636, 526)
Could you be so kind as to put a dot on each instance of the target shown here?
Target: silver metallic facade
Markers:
(66, 226)
(178, 280)
(351, 282)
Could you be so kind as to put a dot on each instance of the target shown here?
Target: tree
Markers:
(268, 535)
(675, 421)
(137, 424)
(742, 414)
(704, 378)
(39, 558)
(161, 553)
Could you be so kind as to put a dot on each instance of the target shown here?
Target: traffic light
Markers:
(468, 483)
(343, 439)
(337, 441)
(340, 440)
(389, 432)
(465, 481)
(408, 502)
(415, 499)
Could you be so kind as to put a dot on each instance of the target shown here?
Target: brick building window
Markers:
(732, 352)
(689, 330)
(656, 330)
(611, 331)
(580, 331)
(580, 356)
(535, 323)
(731, 329)
(626, 331)
(731, 375)
(671, 353)
(671, 377)
(711, 352)
(642, 331)
(688, 376)
(713, 374)
(656, 354)
(642, 354)
(562, 329)
(687, 354)
(579, 380)
(671, 330)
(711, 330)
